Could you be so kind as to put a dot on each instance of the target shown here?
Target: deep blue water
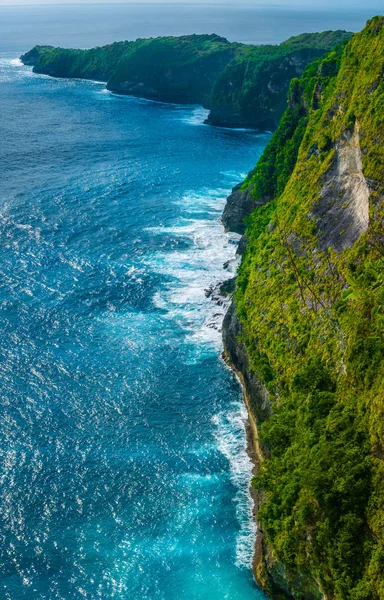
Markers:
(123, 470)
(122, 447)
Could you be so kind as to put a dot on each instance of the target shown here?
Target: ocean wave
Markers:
(230, 438)
(197, 117)
(191, 274)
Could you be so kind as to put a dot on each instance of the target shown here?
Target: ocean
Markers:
(123, 463)
(87, 25)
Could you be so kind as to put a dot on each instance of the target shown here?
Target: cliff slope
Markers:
(243, 85)
(308, 330)
(252, 89)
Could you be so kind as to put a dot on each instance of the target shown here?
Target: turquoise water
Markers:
(122, 447)
(123, 464)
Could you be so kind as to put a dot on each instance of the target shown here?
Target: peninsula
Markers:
(241, 85)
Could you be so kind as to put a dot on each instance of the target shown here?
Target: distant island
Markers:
(241, 85)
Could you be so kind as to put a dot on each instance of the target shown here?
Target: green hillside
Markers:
(243, 85)
(310, 301)
(252, 89)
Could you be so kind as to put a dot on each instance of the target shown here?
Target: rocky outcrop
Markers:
(32, 57)
(237, 355)
(342, 212)
(240, 204)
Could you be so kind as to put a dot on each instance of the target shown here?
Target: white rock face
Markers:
(343, 208)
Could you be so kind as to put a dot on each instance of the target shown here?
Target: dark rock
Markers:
(228, 287)
(237, 354)
(209, 291)
(239, 205)
(242, 245)
(226, 117)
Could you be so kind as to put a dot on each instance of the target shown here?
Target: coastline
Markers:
(235, 357)
(167, 346)
(269, 574)
(256, 456)
(275, 492)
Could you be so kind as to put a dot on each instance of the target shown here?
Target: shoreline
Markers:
(256, 456)
(254, 397)
(231, 349)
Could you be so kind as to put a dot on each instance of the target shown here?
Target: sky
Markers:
(340, 4)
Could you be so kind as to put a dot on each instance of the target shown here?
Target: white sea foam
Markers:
(231, 440)
(211, 201)
(192, 272)
(197, 117)
(13, 68)
(234, 176)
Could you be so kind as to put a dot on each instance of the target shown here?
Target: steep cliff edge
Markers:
(251, 91)
(306, 330)
(195, 69)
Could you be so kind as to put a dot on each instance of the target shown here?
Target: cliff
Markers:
(180, 70)
(251, 91)
(306, 330)
(243, 85)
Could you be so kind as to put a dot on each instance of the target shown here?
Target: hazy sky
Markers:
(340, 4)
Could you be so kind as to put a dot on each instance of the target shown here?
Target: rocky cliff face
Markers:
(342, 212)
(239, 205)
(306, 329)
(237, 353)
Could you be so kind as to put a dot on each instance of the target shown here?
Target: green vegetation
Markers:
(313, 326)
(325, 39)
(170, 69)
(312, 315)
(242, 84)
(273, 170)
(180, 70)
(252, 89)
(97, 63)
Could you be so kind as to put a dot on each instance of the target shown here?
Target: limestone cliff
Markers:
(306, 330)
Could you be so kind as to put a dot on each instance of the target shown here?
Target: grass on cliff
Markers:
(314, 329)
(255, 83)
